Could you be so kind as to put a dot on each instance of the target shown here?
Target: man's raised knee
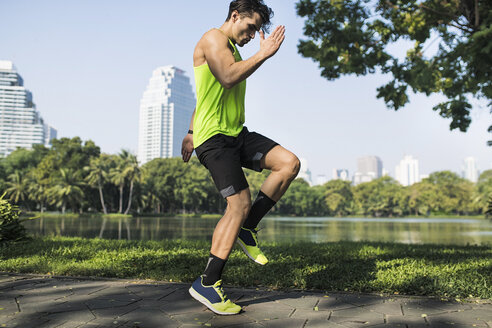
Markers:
(292, 166)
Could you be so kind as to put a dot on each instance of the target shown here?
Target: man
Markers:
(223, 145)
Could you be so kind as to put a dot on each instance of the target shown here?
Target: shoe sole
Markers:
(205, 302)
(247, 253)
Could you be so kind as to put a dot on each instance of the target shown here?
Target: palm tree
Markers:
(67, 190)
(489, 209)
(17, 187)
(118, 177)
(98, 175)
(134, 174)
(37, 190)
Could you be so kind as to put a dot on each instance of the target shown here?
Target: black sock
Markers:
(213, 271)
(260, 207)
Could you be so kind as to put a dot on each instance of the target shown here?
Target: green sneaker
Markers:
(248, 241)
(213, 297)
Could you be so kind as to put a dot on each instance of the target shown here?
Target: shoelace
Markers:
(221, 290)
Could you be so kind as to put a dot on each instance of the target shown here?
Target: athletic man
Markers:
(223, 145)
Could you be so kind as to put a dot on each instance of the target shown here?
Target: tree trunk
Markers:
(63, 208)
(129, 198)
(121, 199)
(101, 196)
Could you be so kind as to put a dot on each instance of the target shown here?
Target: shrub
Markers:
(11, 228)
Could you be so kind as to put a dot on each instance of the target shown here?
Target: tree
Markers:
(67, 190)
(483, 190)
(17, 187)
(353, 37)
(338, 196)
(133, 173)
(98, 175)
(380, 198)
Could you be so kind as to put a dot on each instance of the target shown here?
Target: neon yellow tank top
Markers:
(218, 110)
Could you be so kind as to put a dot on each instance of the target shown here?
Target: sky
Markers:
(88, 62)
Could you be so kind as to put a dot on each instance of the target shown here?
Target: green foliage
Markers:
(89, 182)
(445, 271)
(353, 37)
(11, 229)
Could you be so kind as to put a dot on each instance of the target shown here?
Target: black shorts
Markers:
(224, 156)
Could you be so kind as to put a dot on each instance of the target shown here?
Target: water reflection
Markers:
(411, 230)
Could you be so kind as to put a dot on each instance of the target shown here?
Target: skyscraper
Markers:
(368, 169)
(342, 174)
(165, 112)
(470, 171)
(407, 172)
(304, 172)
(21, 124)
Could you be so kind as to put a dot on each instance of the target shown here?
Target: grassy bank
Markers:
(445, 271)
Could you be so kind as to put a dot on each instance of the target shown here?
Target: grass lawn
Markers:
(444, 271)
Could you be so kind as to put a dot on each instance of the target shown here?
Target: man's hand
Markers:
(187, 147)
(270, 45)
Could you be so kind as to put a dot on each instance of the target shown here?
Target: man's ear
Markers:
(235, 16)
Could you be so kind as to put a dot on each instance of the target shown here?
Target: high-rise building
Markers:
(368, 169)
(407, 172)
(321, 179)
(21, 125)
(165, 113)
(304, 172)
(470, 171)
(341, 174)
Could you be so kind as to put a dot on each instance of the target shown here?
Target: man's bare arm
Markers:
(187, 145)
(222, 63)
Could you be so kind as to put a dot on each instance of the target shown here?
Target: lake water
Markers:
(280, 229)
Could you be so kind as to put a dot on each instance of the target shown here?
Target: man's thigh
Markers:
(254, 150)
(277, 158)
(224, 164)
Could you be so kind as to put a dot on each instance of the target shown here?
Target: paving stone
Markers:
(332, 304)
(284, 323)
(310, 314)
(76, 316)
(319, 323)
(150, 292)
(182, 306)
(411, 321)
(247, 325)
(302, 302)
(153, 304)
(454, 319)
(388, 308)
(114, 312)
(106, 303)
(8, 307)
(479, 314)
(44, 306)
(417, 309)
(268, 311)
(359, 300)
(229, 320)
(194, 318)
(103, 323)
(177, 294)
(148, 318)
(357, 316)
(27, 322)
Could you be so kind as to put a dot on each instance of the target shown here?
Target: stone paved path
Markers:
(40, 302)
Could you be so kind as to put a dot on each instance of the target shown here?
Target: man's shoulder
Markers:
(214, 36)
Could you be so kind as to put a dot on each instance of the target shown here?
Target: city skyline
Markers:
(330, 123)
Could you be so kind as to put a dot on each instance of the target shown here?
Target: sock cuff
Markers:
(266, 197)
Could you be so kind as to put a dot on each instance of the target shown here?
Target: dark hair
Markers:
(248, 7)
